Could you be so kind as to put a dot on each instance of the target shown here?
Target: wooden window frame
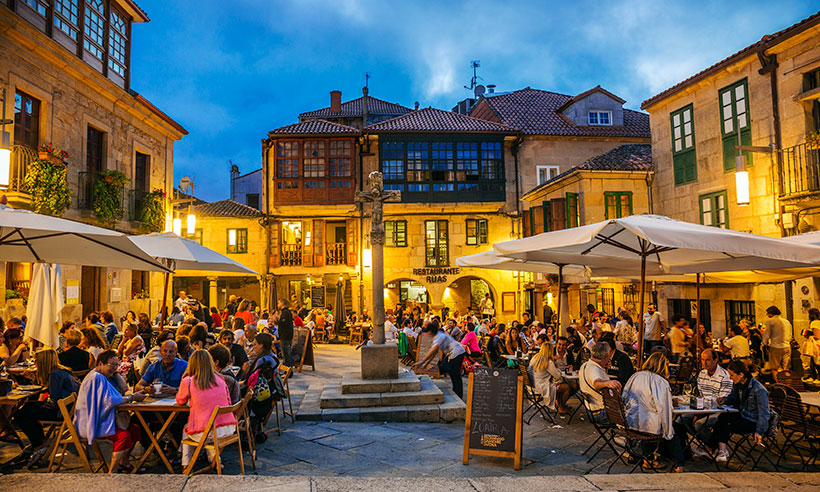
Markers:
(23, 136)
(437, 251)
(712, 197)
(617, 195)
(684, 160)
(118, 41)
(548, 168)
(729, 138)
(394, 237)
(480, 233)
(238, 248)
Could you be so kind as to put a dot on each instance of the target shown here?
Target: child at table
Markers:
(204, 390)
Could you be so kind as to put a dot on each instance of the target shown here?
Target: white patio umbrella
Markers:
(662, 244)
(44, 304)
(26, 236)
(184, 254)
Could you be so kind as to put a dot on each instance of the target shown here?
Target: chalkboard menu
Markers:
(425, 343)
(300, 338)
(317, 296)
(493, 423)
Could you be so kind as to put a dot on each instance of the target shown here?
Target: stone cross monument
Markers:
(379, 361)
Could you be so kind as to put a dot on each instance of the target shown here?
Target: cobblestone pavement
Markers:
(412, 451)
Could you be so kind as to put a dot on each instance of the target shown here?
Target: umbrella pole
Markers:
(640, 312)
(162, 310)
(697, 322)
(560, 288)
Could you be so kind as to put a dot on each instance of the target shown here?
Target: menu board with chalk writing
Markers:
(494, 417)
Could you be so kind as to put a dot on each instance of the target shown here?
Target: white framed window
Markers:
(546, 173)
(600, 118)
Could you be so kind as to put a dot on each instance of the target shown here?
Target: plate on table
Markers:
(29, 387)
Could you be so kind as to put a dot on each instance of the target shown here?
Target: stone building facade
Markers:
(768, 94)
(63, 87)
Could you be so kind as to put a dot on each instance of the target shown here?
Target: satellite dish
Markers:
(478, 91)
(184, 183)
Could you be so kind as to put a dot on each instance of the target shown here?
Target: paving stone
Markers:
(332, 397)
(749, 479)
(62, 482)
(310, 432)
(800, 478)
(341, 414)
(638, 481)
(371, 484)
(346, 441)
(453, 408)
(216, 483)
(541, 484)
(384, 414)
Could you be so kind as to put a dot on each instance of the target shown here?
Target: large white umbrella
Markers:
(662, 244)
(184, 254)
(44, 304)
(26, 236)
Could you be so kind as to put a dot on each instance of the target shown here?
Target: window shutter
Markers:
(679, 164)
(525, 224)
(318, 242)
(274, 227)
(352, 251)
(307, 249)
(547, 214)
(558, 208)
(538, 220)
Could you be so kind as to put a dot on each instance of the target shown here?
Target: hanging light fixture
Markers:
(191, 224)
(178, 226)
(741, 180)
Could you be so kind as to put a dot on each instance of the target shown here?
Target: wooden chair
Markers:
(686, 370)
(355, 335)
(286, 372)
(217, 444)
(535, 400)
(243, 417)
(319, 335)
(115, 342)
(67, 434)
(638, 444)
(606, 432)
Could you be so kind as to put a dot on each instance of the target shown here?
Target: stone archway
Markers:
(466, 292)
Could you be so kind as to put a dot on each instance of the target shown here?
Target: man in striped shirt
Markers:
(714, 383)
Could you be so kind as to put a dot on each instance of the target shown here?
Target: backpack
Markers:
(265, 380)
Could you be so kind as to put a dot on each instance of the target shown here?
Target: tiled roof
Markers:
(627, 157)
(584, 94)
(143, 17)
(226, 208)
(314, 127)
(431, 120)
(766, 41)
(354, 108)
(535, 112)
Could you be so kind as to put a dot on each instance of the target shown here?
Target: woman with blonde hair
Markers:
(545, 374)
(61, 384)
(203, 390)
(648, 406)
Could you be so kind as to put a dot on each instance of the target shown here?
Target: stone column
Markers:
(213, 292)
(563, 316)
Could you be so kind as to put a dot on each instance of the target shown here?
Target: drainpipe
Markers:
(769, 65)
(266, 210)
(650, 178)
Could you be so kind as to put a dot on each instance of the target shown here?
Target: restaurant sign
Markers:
(436, 275)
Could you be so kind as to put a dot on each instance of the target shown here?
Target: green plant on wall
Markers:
(152, 213)
(108, 195)
(46, 183)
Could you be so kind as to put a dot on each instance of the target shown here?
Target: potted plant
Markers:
(152, 210)
(108, 195)
(51, 152)
(813, 140)
(46, 182)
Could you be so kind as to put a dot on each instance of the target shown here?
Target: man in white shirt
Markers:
(713, 382)
(654, 328)
(593, 378)
(486, 306)
(181, 301)
(738, 345)
(779, 336)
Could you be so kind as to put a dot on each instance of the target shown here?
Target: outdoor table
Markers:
(14, 400)
(694, 438)
(811, 398)
(25, 370)
(166, 409)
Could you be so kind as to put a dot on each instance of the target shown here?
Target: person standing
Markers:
(285, 330)
(486, 306)
(182, 300)
(654, 329)
(678, 334)
(453, 355)
(778, 334)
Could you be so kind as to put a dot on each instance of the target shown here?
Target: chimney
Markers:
(335, 101)
(417, 105)
(490, 88)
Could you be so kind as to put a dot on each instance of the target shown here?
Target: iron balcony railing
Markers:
(336, 253)
(85, 189)
(136, 199)
(291, 254)
(800, 170)
(21, 157)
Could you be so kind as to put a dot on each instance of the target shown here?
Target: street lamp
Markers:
(191, 225)
(178, 226)
(5, 148)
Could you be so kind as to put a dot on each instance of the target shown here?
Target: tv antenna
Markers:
(474, 64)
(366, 78)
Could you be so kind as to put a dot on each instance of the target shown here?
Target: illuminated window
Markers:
(477, 231)
(237, 241)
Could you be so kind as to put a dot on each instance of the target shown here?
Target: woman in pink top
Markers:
(204, 390)
(470, 343)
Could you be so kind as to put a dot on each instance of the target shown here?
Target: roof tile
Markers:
(535, 112)
(226, 208)
(432, 120)
(354, 108)
(314, 127)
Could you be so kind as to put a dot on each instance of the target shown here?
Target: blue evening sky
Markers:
(230, 71)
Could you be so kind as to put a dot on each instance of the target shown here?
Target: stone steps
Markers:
(334, 397)
(352, 383)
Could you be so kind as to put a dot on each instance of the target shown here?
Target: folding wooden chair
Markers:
(217, 444)
(686, 370)
(606, 432)
(633, 439)
(535, 400)
(286, 372)
(243, 417)
(67, 434)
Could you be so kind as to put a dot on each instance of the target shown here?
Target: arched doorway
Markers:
(467, 292)
(407, 292)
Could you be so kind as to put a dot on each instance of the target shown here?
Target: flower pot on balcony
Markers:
(46, 156)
